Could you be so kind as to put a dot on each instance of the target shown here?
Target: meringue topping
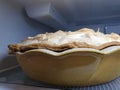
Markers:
(81, 38)
(86, 35)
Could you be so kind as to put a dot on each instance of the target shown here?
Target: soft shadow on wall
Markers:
(36, 24)
(8, 62)
(14, 27)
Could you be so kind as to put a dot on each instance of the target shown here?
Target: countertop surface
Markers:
(4, 86)
(16, 80)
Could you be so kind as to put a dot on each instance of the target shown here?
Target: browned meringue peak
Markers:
(60, 37)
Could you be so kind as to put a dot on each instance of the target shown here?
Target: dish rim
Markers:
(108, 50)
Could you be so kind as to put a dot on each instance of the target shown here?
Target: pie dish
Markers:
(73, 66)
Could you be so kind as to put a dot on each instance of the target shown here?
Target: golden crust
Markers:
(45, 43)
(15, 48)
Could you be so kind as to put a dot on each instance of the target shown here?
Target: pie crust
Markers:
(63, 40)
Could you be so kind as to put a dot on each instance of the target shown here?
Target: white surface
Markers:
(47, 14)
(84, 11)
(4, 86)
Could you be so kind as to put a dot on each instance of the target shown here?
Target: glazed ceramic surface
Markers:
(74, 67)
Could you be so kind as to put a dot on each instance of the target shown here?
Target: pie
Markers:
(63, 40)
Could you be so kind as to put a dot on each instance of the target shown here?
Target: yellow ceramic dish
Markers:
(74, 67)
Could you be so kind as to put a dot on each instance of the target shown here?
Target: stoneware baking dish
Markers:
(73, 67)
